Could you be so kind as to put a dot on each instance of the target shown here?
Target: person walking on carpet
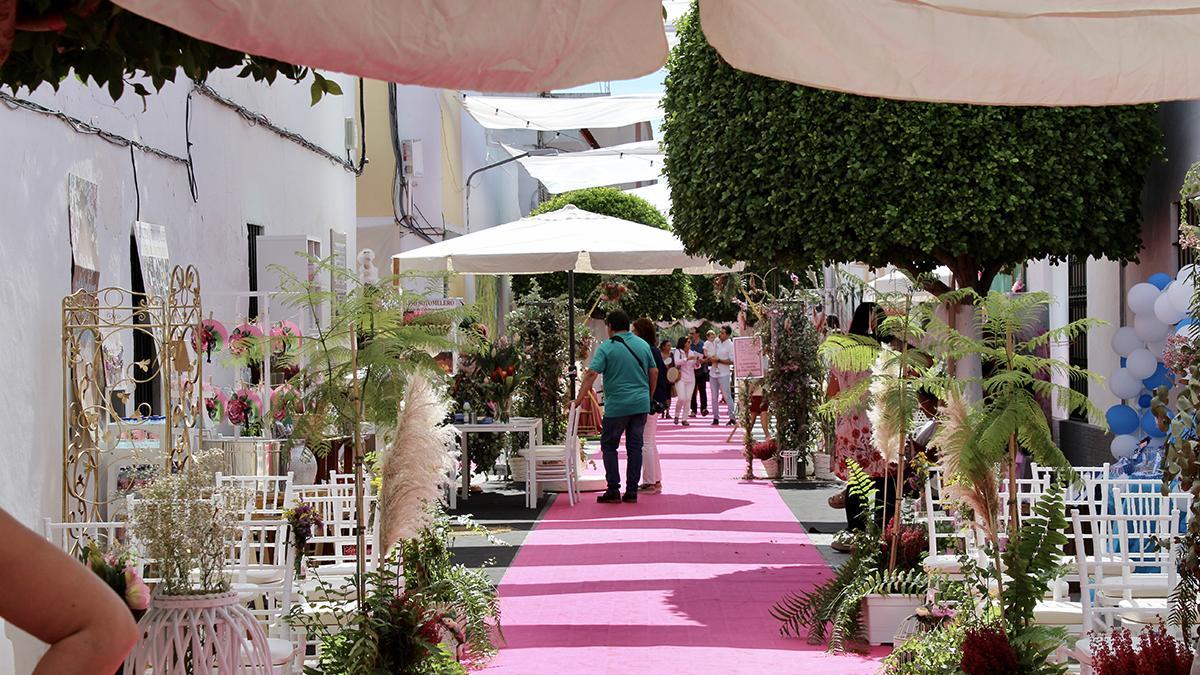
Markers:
(685, 362)
(660, 401)
(700, 391)
(627, 363)
(720, 358)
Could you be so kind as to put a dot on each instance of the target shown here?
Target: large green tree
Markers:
(658, 297)
(779, 174)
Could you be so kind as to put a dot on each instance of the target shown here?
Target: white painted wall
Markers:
(245, 175)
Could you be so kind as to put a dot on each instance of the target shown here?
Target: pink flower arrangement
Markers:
(285, 339)
(285, 402)
(119, 570)
(210, 337)
(245, 343)
(244, 408)
(215, 402)
(1189, 236)
(1180, 354)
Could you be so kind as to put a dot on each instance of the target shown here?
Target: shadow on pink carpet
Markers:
(679, 583)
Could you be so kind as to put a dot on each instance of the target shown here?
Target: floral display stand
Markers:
(179, 633)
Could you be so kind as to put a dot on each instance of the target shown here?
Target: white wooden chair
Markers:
(331, 551)
(1110, 536)
(948, 538)
(70, 536)
(1076, 494)
(554, 462)
(261, 565)
(267, 496)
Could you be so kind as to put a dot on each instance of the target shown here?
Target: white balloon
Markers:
(1141, 298)
(1157, 349)
(1164, 309)
(1123, 446)
(1149, 328)
(1123, 384)
(1157, 442)
(1141, 363)
(1180, 294)
(1185, 274)
(1125, 340)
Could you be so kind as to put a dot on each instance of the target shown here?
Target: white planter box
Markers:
(883, 614)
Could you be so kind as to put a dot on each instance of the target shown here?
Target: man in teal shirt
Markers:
(627, 364)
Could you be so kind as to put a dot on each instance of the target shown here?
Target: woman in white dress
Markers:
(686, 361)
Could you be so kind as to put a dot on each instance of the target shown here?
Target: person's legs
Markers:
(635, 427)
(714, 398)
(651, 466)
(693, 397)
(610, 439)
(727, 390)
(688, 393)
(702, 385)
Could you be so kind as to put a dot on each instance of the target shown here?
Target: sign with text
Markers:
(748, 360)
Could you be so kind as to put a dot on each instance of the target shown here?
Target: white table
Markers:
(531, 426)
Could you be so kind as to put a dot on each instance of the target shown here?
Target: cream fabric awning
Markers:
(614, 165)
(569, 239)
(553, 114)
(480, 45)
(1006, 52)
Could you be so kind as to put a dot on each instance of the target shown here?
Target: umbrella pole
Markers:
(571, 329)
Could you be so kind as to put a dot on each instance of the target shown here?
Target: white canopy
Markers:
(896, 281)
(658, 194)
(559, 241)
(481, 45)
(614, 165)
(552, 114)
(1026, 52)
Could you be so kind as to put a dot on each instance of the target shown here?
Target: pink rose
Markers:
(137, 593)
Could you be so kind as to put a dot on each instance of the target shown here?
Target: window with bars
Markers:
(1076, 310)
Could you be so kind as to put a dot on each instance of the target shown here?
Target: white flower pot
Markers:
(303, 465)
(822, 466)
(217, 629)
(883, 614)
(771, 467)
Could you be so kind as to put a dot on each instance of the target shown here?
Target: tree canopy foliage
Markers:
(779, 174)
(658, 297)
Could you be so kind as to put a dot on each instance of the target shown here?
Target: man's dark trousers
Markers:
(633, 427)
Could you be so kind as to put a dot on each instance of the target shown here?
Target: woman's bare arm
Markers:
(61, 602)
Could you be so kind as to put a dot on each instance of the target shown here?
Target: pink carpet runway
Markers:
(679, 583)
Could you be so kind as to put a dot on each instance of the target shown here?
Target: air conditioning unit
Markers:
(412, 158)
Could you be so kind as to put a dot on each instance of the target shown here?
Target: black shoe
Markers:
(610, 497)
(716, 422)
(704, 413)
(630, 498)
(730, 422)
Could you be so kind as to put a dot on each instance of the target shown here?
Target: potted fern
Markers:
(837, 611)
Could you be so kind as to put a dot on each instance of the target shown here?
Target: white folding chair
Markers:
(266, 496)
(948, 537)
(331, 551)
(70, 536)
(554, 462)
(261, 565)
(1110, 537)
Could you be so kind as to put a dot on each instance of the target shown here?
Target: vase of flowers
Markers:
(119, 568)
(304, 521)
(500, 364)
(767, 452)
(188, 528)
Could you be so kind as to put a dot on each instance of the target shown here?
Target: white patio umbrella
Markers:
(480, 45)
(568, 240)
(1031, 52)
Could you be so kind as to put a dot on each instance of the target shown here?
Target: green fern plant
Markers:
(832, 611)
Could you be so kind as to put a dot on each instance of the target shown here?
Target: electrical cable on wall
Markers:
(261, 120)
(403, 203)
(79, 126)
(137, 192)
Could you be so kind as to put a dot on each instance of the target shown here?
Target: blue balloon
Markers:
(1121, 419)
(1122, 361)
(1150, 425)
(1161, 377)
(1143, 402)
(1160, 280)
(1185, 321)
